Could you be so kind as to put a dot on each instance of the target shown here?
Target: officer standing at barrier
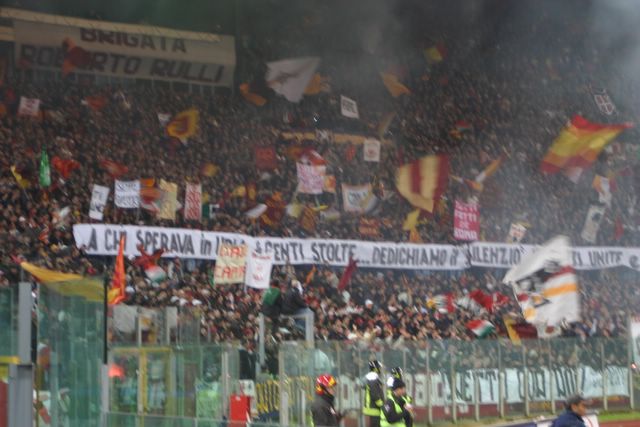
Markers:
(373, 394)
(323, 413)
(576, 408)
(394, 411)
(396, 373)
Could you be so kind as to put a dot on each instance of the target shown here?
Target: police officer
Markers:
(323, 414)
(397, 373)
(373, 394)
(394, 411)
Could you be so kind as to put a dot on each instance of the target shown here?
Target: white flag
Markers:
(258, 272)
(290, 77)
(592, 223)
(371, 150)
(358, 198)
(546, 286)
(603, 100)
(99, 196)
(29, 107)
(164, 118)
(127, 194)
(349, 107)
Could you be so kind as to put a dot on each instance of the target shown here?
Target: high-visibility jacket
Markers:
(373, 395)
(392, 414)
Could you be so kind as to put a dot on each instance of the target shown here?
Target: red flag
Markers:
(275, 211)
(619, 229)
(145, 260)
(117, 293)
(346, 276)
(482, 299)
(96, 103)
(116, 170)
(64, 166)
(74, 57)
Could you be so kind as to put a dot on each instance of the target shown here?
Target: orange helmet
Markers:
(324, 383)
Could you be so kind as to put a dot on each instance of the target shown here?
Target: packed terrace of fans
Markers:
(482, 101)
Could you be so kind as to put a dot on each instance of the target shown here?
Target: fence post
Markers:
(552, 384)
(452, 387)
(284, 394)
(526, 381)
(630, 361)
(429, 388)
(605, 403)
(500, 382)
(476, 393)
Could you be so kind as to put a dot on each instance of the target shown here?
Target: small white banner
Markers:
(230, 264)
(349, 107)
(29, 107)
(358, 198)
(592, 223)
(371, 150)
(99, 196)
(127, 194)
(259, 270)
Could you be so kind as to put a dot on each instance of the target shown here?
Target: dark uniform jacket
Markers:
(569, 419)
(323, 412)
(389, 409)
(292, 302)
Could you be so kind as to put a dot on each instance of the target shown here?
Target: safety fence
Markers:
(448, 380)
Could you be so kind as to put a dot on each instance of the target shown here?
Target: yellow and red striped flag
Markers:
(578, 146)
(423, 181)
(117, 294)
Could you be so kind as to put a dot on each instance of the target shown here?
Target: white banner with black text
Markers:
(102, 239)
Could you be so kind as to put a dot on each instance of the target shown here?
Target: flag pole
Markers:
(105, 352)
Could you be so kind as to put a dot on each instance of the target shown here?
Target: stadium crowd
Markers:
(513, 95)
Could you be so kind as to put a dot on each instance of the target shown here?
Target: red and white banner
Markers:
(193, 202)
(230, 264)
(29, 107)
(466, 221)
(311, 178)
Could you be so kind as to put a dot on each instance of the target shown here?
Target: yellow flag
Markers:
(22, 182)
(393, 85)
(411, 221)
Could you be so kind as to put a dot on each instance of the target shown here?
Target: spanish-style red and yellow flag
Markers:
(423, 181)
(393, 85)
(578, 146)
(184, 125)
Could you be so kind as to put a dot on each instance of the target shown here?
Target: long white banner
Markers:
(565, 381)
(129, 54)
(102, 239)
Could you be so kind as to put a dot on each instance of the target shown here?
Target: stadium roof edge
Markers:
(24, 15)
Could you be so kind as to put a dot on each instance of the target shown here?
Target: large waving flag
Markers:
(423, 181)
(184, 125)
(290, 77)
(67, 284)
(546, 286)
(578, 146)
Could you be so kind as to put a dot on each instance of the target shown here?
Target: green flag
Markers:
(210, 276)
(45, 172)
